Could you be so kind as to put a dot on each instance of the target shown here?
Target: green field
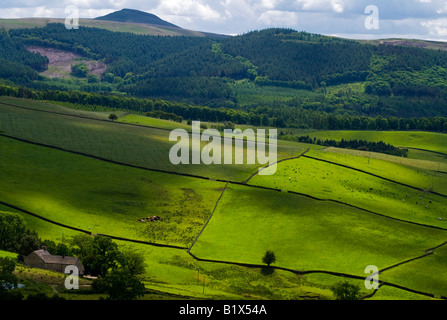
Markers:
(422, 274)
(104, 198)
(308, 234)
(402, 170)
(331, 182)
(430, 141)
(417, 158)
(326, 218)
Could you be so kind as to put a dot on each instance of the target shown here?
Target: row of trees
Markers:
(363, 145)
(280, 117)
(164, 115)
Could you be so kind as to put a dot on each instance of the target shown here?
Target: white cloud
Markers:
(43, 12)
(279, 18)
(442, 9)
(35, 12)
(269, 4)
(424, 18)
(240, 9)
(192, 9)
(437, 28)
(322, 5)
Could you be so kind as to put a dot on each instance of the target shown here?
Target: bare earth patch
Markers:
(417, 44)
(60, 62)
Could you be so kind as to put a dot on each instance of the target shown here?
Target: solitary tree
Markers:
(113, 117)
(269, 258)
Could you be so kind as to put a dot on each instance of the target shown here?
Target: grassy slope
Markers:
(429, 160)
(171, 271)
(423, 274)
(404, 172)
(104, 198)
(412, 139)
(306, 234)
(139, 146)
(136, 145)
(328, 181)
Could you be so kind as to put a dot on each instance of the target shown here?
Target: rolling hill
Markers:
(313, 78)
(135, 16)
(125, 20)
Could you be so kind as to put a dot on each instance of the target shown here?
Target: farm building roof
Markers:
(49, 258)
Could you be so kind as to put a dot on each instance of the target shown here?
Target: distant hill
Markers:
(282, 69)
(136, 16)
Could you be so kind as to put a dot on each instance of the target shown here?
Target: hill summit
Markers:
(136, 16)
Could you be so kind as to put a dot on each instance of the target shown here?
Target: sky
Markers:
(356, 19)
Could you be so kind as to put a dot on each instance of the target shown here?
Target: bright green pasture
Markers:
(307, 234)
(45, 229)
(153, 122)
(174, 274)
(426, 274)
(391, 293)
(412, 139)
(328, 181)
(104, 198)
(429, 160)
(416, 177)
(7, 254)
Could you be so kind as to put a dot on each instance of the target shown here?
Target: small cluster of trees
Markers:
(363, 145)
(117, 270)
(79, 70)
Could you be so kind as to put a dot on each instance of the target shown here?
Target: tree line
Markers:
(263, 116)
(363, 145)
